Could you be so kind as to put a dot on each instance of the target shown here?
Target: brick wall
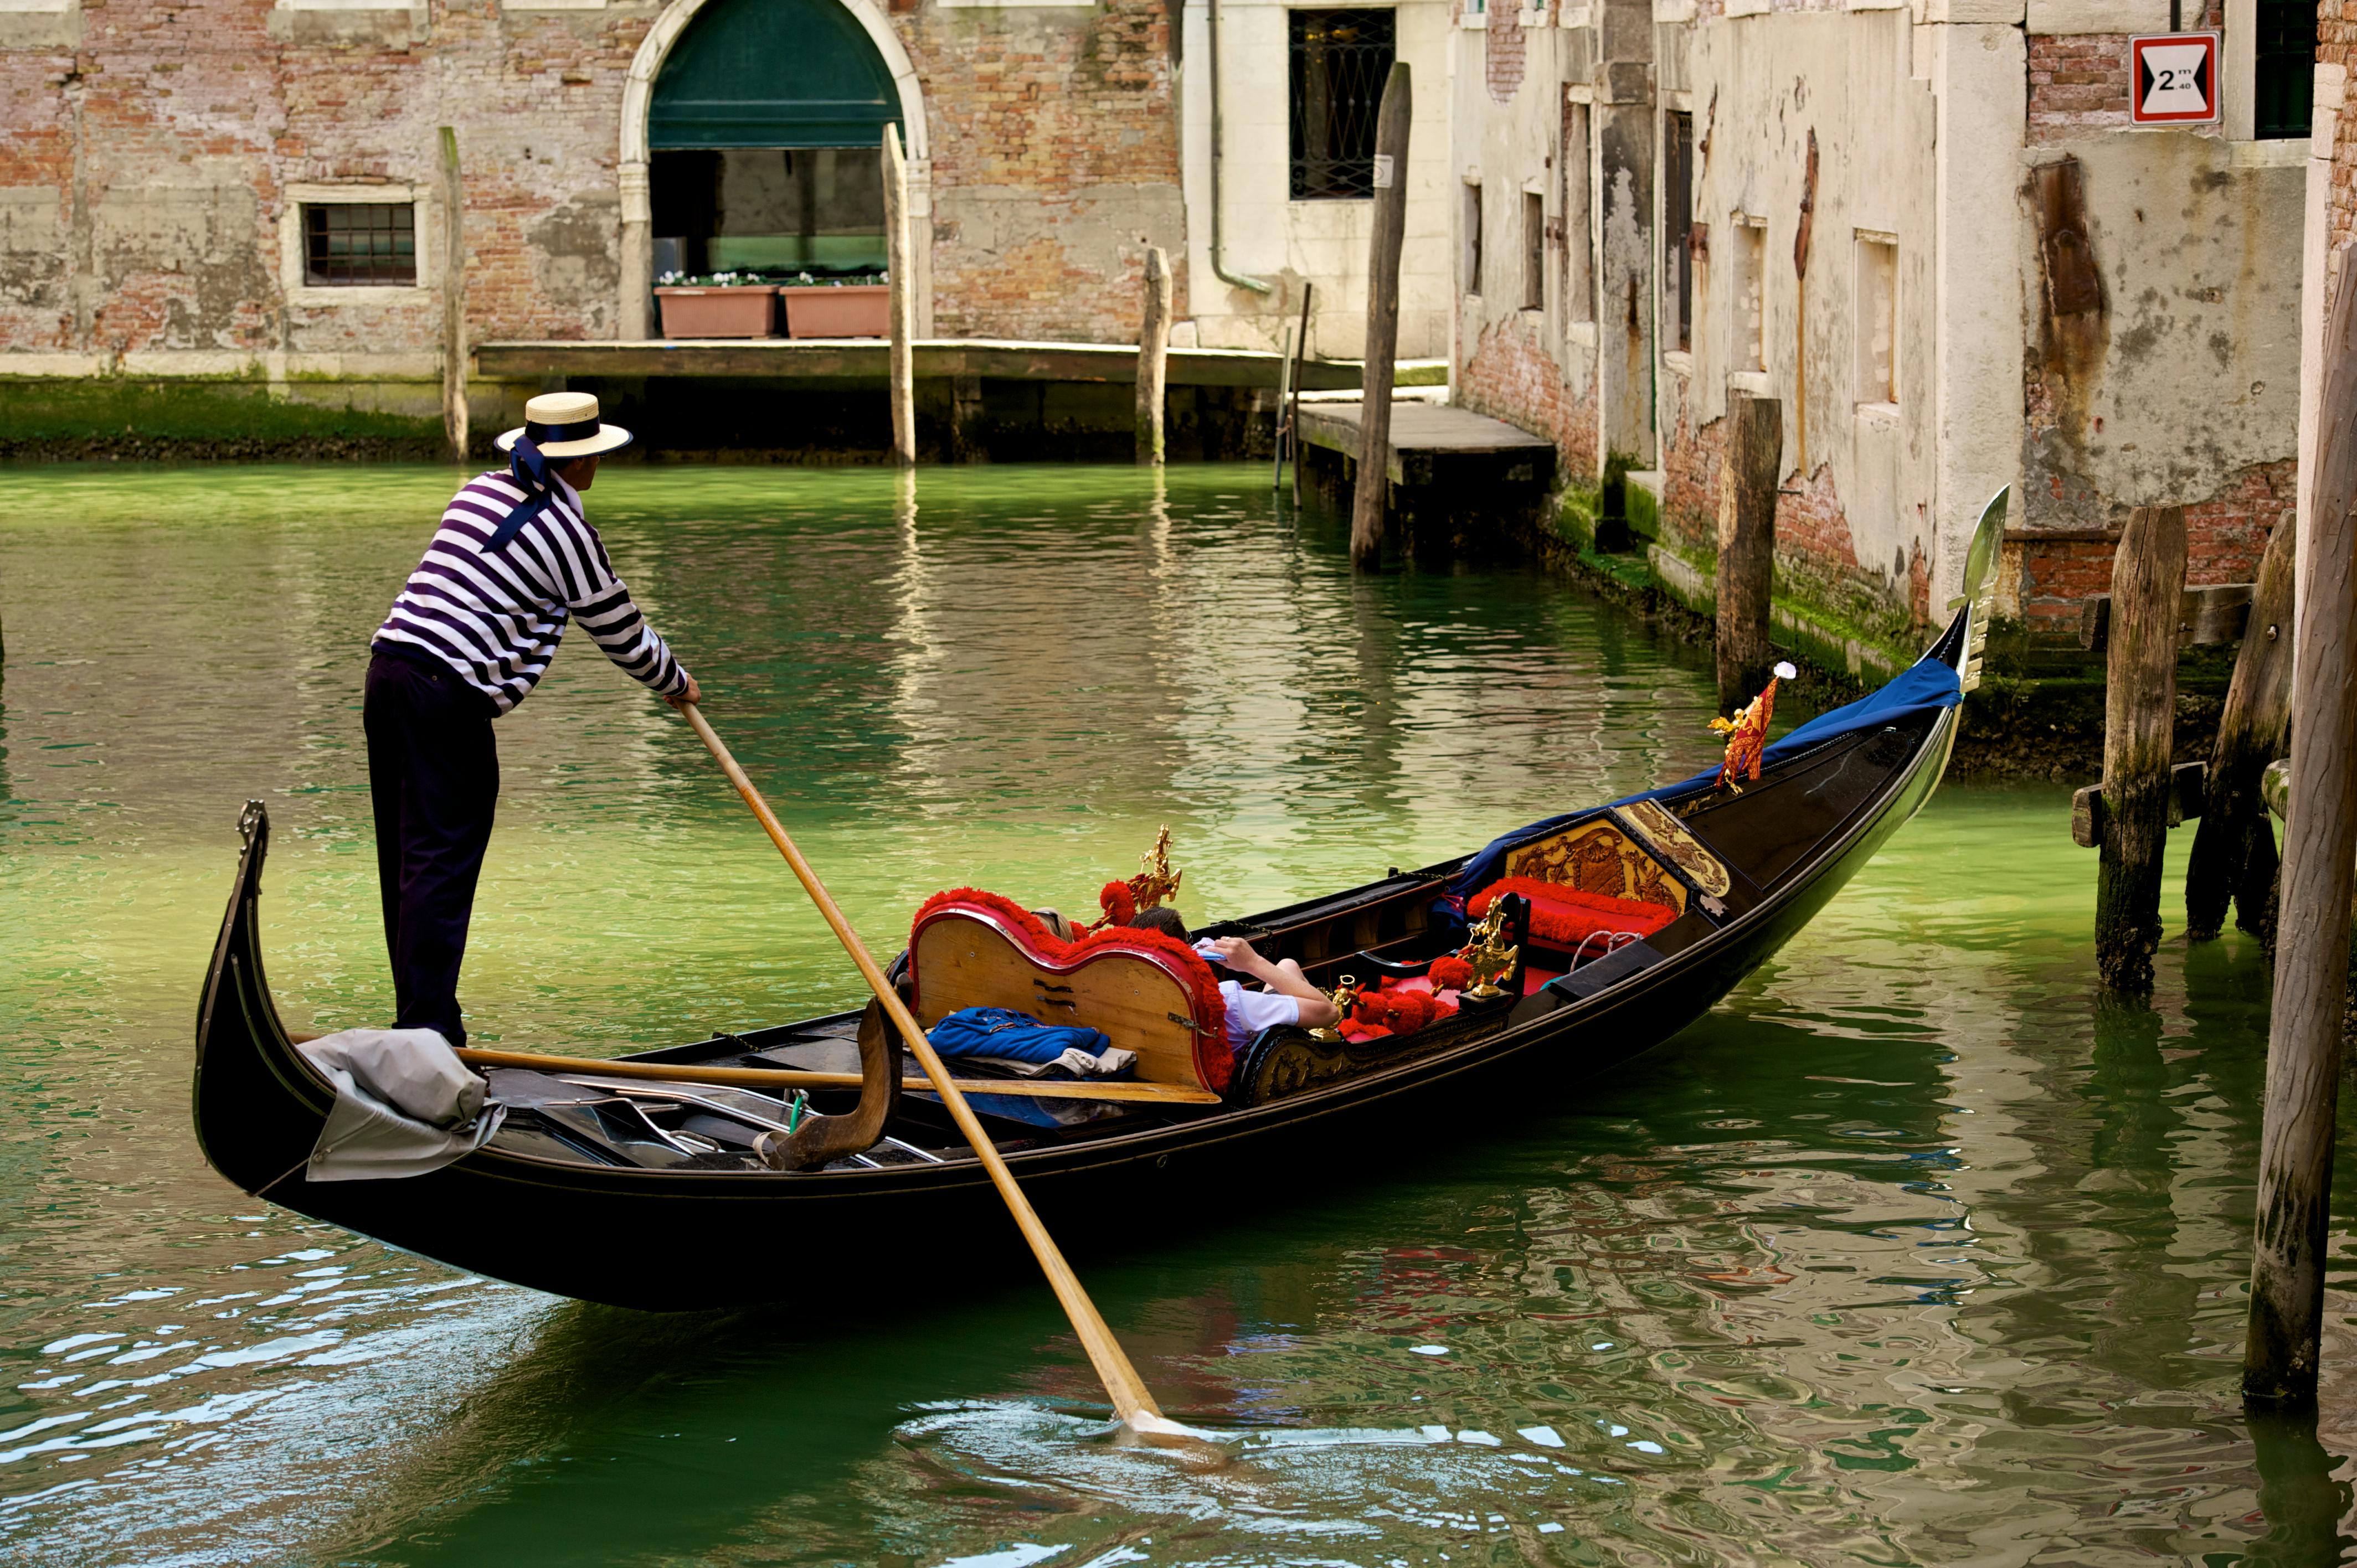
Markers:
(143, 172)
(1814, 549)
(2079, 81)
(1513, 377)
(1690, 465)
(2225, 536)
(1503, 49)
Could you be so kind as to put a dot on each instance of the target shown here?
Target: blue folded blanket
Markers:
(1001, 1034)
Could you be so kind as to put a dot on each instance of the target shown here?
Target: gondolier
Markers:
(472, 632)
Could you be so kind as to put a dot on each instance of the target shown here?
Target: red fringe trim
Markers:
(1563, 916)
(1213, 1057)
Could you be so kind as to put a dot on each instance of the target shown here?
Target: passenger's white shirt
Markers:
(1250, 1011)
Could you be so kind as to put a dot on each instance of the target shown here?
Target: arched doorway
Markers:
(750, 131)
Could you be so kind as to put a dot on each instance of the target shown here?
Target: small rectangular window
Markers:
(2283, 70)
(1748, 351)
(1338, 62)
(1878, 318)
(1578, 218)
(1472, 239)
(360, 243)
(1533, 251)
(1677, 230)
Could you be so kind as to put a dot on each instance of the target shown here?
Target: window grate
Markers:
(2284, 70)
(1339, 61)
(350, 244)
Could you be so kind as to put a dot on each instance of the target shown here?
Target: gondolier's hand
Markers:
(695, 693)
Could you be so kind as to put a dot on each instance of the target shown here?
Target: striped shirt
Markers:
(496, 617)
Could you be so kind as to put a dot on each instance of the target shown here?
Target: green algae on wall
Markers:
(122, 416)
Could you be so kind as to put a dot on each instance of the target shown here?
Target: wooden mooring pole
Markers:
(1293, 412)
(1383, 320)
(454, 300)
(900, 274)
(2304, 1030)
(2139, 721)
(1153, 355)
(1746, 544)
(2235, 847)
(1284, 405)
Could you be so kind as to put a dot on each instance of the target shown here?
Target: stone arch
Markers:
(638, 98)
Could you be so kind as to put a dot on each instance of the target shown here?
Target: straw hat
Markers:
(565, 425)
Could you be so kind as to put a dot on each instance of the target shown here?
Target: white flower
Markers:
(1784, 671)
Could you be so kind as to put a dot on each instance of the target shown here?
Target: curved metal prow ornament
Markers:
(1980, 585)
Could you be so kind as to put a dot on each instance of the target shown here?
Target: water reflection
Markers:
(1910, 1252)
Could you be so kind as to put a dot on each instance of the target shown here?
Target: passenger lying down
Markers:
(1289, 999)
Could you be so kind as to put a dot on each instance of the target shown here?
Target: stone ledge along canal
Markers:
(1910, 1252)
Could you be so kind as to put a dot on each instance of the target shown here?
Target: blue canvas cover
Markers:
(1925, 686)
(1009, 1036)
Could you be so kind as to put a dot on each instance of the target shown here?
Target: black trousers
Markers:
(433, 780)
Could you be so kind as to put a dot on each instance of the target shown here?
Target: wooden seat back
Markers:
(983, 952)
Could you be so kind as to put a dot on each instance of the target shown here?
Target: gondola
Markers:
(645, 1195)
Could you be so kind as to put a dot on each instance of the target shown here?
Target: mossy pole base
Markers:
(2235, 847)
(1390, 233)
(2139, 714)
(1746, 544)
(2287, 1245)
(1153, 355)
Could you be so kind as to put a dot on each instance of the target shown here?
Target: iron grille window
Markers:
(359, 242)
(2284, 69)
(1339, 61)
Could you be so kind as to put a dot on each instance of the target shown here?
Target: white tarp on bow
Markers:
(406, 1104)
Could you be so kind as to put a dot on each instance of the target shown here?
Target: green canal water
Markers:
(1910, 1252)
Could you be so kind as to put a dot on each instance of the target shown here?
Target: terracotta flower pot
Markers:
(853, 310)
(737, 311)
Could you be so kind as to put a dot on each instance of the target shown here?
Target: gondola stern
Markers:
(247, 1094)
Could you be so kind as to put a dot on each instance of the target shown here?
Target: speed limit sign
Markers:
(2173, 79)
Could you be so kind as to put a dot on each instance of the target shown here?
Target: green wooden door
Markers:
(772, 73)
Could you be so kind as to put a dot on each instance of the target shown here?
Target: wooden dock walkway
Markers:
(1460, 481)
(1438, 446)
(937, 359)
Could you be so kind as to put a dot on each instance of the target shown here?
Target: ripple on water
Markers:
(1910, 1252)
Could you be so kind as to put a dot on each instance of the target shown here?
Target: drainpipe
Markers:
(1219, 260)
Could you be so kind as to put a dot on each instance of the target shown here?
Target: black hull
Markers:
(684, 1239)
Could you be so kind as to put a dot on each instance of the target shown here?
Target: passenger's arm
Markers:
(1286, 978)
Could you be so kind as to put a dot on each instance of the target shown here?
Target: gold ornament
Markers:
(1344, 997)
(1488, 954)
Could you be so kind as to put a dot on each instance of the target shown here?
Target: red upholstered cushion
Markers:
(1563, 917)
(1213, 1057)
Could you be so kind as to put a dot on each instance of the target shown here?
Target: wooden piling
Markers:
(1293, 412)
(901, 274)
(1153, 355)
(1283, 424)
(2304, 1031)
(1746, 544)
(454, 301)
(2234, 848)
(1383, 320)
(2139, 712)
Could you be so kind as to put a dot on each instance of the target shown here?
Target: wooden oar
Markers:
(1121, 1380)
(798, 1078)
